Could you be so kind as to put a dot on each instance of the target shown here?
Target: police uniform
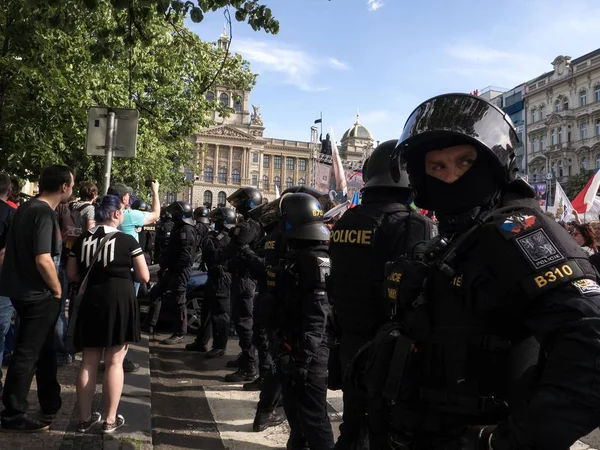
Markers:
(180, 255)
(147, 238)
(496, 342)
(161, 242)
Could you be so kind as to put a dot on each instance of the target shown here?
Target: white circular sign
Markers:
(548, 176)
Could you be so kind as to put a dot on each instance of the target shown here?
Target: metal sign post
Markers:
(111, 132)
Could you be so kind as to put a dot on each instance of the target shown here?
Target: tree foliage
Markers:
(64, 57)
(577, 183)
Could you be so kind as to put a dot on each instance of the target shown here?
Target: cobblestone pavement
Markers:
(63, 434)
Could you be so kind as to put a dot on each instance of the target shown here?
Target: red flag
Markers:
(585, 199)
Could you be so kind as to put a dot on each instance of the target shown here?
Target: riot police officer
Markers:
(147, 233)
(161, 241)
(245, 234)
(499, 349)
(202, 223)
(215, 310)
(362, 241)
(306, 337)
(179, 258)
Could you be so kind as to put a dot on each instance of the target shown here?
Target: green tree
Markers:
(577, 183)
(51, 74)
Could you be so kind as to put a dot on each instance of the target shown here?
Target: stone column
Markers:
(296, 171)
(229, 177)
(243, 167)
(216, 168)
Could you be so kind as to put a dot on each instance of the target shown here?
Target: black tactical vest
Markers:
(213, 248)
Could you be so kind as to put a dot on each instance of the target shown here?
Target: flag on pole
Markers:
(585, 199)
(318, 120)
(338, 168)
(355, 200)
(562, 204)
(276, 191)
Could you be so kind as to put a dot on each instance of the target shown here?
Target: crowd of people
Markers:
(480, 330)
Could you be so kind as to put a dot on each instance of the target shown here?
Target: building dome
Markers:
(357, 131)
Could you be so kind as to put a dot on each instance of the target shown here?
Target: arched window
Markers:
(210, 96)
(265, 182)
(277, 181)
(557, 105)
(543, 142)
(597, 93)
(235, 176)
(289, 182)
(560, 135)
(208, 198)
(533, 114)
(583, 97)
(222, 175)
(224, 99)
(301, 182)
(237, 105)
(542, 112)
(221, 198)
(598, 161)
(584, 163)
(583, 130)
(565, 106)
(553, 137)
(208, 175)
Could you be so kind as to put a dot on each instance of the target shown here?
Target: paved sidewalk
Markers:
(135, 407)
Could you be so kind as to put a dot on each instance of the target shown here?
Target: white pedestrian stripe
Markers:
(233, 410)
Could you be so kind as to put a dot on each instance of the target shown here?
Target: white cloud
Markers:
(374, 5)
(297, 66)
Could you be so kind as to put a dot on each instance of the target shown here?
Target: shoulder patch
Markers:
(517, 223)
(586, 286)
(539, 250)
(323, 262)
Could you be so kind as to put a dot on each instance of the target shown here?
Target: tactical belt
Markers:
(445, 401)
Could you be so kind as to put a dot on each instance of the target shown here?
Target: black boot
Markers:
(242, 374)
(255, 385)
(266, 419)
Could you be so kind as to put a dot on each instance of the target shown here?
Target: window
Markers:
(598, 161)
(208, 175)
(221, 198)
(560, 168)
(557, 106)
(553, 137)
(597, 127)
(554, 170)
(533, 115)
(289, 182)
(254, 180)
(277, 162)
(543, 143)
(210, 97)
(565, 106)
(597, 93)
(583, 98)
(302, 165)
(583, 130)
(207, 198)
(237, 105)
(255, 158)
(301, 182)
(534, 144)
(266, 161)
(277, 181)
(560, 135)
(224, 99)
(235, 176)
(289, 163)
(265, 182)
(584, 164)
(542, 116)
(222, 175)
(189, 175)
(569, 170)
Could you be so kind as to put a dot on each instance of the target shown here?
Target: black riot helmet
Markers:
(223, 217)
(244, 199)
(270, 213)
(303, 218)
(377, 171)
(201, 215)
(365, 176)
(457, 119)
(139, 205)
(181, 211)
(165, 215)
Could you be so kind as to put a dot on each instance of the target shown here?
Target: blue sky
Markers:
(384, 57)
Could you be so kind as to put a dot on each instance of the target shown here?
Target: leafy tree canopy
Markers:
(51, 74)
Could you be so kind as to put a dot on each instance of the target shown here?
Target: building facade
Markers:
(563, 119)
(513, 104)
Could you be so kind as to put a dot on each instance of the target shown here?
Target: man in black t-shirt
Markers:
(6, 307)
(31, 262)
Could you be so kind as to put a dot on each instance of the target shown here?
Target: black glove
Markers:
(477, 437)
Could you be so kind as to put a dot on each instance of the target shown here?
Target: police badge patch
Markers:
(586, 286)
(539, 249)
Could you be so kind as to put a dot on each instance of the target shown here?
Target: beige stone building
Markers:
(563, 119)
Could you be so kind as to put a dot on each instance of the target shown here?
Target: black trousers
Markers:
(271, 392)
(216, 314)
(34, 355)
(176, 283)
(242, 298)
(306, 406)
(260, 339)
(353, 428)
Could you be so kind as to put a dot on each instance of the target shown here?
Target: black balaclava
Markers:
(457, 204)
